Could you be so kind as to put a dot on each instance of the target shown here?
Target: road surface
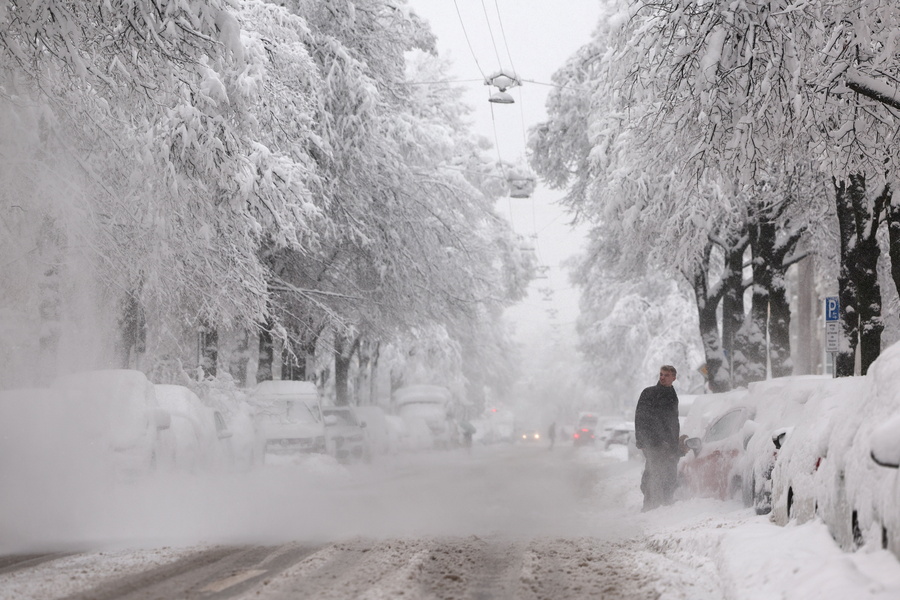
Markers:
(514, 521)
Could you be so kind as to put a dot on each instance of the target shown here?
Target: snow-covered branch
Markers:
(873, 88)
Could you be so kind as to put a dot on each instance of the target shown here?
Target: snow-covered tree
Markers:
(673, 99)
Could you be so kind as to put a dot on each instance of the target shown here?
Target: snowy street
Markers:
(510, 521)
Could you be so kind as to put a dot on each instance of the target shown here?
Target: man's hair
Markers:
(670, 369)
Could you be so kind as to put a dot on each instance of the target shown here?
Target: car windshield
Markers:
(344, 417)
(588, 422)
(726, 426)
(299, 411)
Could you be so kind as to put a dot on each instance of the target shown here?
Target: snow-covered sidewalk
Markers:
(747, 555)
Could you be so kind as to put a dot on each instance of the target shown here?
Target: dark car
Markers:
(530, 436)
(586, 430)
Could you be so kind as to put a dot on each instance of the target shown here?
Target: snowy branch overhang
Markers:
(873, 88)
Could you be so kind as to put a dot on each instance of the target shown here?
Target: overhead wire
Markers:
(502, 167)
(534, 234)
(441, 81)
(468, 41)
(515, 73)
(491, 32)
(503, 33)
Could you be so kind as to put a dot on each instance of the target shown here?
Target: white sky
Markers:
(535, 37)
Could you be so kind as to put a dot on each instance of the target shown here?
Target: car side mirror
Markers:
(694, 444)
(331, 420)
(160, 418)
(749, 428)
(886, 444)
(778, 439)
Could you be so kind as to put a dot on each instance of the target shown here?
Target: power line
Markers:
(556, 85)
(513, 67)
(503, 33)
(562, 87)
(491, 31)
(444, 81)
(468, 42)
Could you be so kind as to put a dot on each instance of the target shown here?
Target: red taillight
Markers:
(818, 462)
(585, 430)
(575, 435)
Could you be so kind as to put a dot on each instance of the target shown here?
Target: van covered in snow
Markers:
(428, 404)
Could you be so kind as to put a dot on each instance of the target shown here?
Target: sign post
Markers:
(833, 330)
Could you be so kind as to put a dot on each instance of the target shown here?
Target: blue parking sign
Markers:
(832, 309)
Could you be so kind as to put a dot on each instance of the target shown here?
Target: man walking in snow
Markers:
(656, 432)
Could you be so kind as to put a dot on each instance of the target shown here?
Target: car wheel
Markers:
(736, 489)
(748, 493)
(856, 532)
(763, 504)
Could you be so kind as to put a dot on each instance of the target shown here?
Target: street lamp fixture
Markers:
(502, 81)
(501, 98)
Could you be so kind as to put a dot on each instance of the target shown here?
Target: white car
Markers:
(377, 429)
(117, 412)
(344, 434)
(289, 418)
(202, 441)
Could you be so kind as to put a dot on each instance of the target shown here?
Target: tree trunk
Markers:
(362, 388)
(51, 246)
(762, 241)
(209, 350)
(293, 362)
(893, 218)
(237, 362)
(807, 350)
(871, 322)
(373, 375)
(266, 353)
(733, 314)
(780, 326)
(707, 304)
(344, 350)
(132, 331)
(859, 291)
(771, 310)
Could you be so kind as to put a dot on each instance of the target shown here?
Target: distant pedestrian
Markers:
(656, 432)
(468, 430)
(551, 434)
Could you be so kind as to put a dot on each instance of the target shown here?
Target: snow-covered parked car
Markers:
(224, 396)
(345, 435)
(377, 429)
(201, 439)
(711, 468)
(289, 418)
(428, 404)
(856, 497)
(117, 411)
(622, 434)
(779, 406)
(797, 474)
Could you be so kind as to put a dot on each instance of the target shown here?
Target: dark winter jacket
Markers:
(656, 418)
